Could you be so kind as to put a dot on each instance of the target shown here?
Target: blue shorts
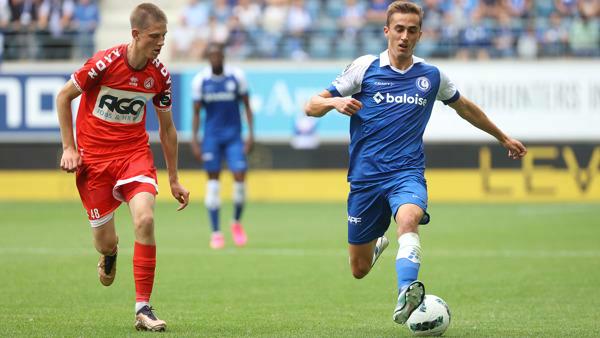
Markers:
(215, 149)
(371, 205)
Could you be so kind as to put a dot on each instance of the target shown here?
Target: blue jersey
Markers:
(386, 135)
(220, 95)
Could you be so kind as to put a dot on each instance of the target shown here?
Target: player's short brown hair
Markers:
(143, 13)
(404, 7)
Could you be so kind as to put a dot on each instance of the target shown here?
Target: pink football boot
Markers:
(217, 240)
(239, 236)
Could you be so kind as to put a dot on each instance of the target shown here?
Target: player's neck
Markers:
(217, 71)
(401, 63)
(135, 60)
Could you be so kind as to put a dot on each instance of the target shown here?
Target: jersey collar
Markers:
(384, 60)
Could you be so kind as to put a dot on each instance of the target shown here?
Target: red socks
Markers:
(144, 262)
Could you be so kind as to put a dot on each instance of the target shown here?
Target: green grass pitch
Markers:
(505, 270)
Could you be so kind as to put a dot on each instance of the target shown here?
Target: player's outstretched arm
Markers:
(250, 120)
(168, 140)
(319, 105)
(196, 144)
(472, 113)
(70, 158)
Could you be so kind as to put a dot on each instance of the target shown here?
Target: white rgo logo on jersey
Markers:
(120, 106)
(404, 98)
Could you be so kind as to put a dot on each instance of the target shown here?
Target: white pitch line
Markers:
(314, 252)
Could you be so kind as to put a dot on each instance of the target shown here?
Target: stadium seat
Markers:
(313, 7)
(335, 9)
(327, 27)
(320, 47)
(346, 48)
(372, 43)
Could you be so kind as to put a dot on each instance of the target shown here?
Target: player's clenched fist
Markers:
(516, 149)
(70, 160)
(347, 105)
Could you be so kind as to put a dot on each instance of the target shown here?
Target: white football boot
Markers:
(380, 245)
(408, 301)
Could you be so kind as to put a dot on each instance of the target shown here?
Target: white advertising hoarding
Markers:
(549, 100)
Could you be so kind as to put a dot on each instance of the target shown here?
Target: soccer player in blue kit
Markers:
(389, 99)
(220, 90)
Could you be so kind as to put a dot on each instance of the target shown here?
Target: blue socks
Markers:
(214, 219)
(237, 211)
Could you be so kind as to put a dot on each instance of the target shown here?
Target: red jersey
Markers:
(111, 120)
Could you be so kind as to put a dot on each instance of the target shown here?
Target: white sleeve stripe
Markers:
(75, 83)
(162, 109)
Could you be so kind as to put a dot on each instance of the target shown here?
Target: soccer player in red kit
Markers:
(112, 160)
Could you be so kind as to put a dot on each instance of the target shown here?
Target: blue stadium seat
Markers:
(373, 44)
(347, 48)
(335, 9)
(313, 7)
(326, 27)
(320, 47)
(542, 23)
(543, 8)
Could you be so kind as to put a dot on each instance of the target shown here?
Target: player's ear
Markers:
(135, 34)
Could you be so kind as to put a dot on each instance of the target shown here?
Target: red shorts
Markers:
(103, 186)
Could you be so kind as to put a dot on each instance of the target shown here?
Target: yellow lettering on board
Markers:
(584, 176)
(529, 167)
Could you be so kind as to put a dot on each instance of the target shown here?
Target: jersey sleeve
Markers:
(447, 92)
(197, 87)
(349, 82)
(163, 100)
(88, 75)
(241, 80)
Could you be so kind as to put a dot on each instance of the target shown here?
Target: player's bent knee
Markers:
(144, 223)
(408, 222)
(360, 268)
(360, 272)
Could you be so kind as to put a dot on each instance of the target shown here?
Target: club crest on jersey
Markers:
(149, 83)
(423, 84)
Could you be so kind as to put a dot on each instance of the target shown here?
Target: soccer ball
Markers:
(432, 318)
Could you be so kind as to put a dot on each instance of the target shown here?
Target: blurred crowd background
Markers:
(312, 29)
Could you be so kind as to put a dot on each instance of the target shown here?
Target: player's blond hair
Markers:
(404, 7)
(142, 15)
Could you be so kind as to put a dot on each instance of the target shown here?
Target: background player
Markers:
(392, 96)
(112, 160)
(220, 89)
